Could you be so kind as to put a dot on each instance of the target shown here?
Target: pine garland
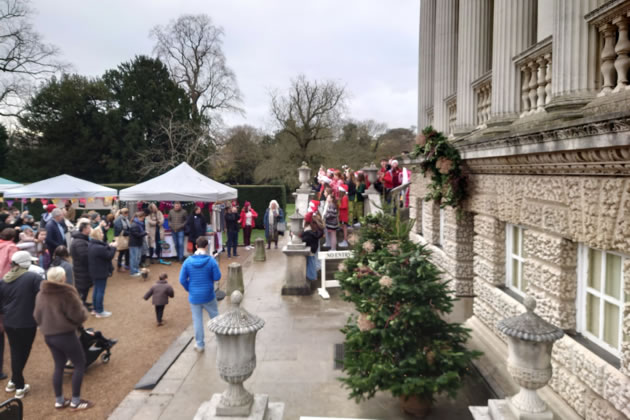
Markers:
(443, 161)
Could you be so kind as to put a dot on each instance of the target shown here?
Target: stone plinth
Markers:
(235, 279)
(262, 409)
(302, 197)
(260, 250)
(501, 410)
(372, 203)
(295, 282)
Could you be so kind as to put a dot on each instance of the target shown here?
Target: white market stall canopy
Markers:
(181, 183)
(62, 186)
(5, 184)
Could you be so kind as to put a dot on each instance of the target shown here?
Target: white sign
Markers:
(335, 255)
(330, 255)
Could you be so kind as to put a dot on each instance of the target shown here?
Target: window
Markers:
(515, 255)
(601, 297)
(441, 233)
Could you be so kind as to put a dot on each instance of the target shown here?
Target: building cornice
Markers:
(607, 12)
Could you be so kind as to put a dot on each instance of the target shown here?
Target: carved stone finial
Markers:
(236, 297)
(530, 303)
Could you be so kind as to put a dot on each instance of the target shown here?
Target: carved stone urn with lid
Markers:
(371, 174)
(530, 340)
(236, 355)
(304, 175)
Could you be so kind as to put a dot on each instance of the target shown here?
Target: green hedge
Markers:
(260, 196)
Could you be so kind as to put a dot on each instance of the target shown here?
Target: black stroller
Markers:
(94, 345)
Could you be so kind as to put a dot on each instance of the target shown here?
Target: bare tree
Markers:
(310, 111)
(181, 142)
(191, 47)
(24, 57)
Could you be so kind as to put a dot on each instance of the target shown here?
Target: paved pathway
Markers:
(295, 352)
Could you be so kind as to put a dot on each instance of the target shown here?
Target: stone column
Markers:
(474, 56)
(514, 30)
(426, 61)
(574, 45)
(445, 71)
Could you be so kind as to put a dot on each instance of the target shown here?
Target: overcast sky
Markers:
(371, 46)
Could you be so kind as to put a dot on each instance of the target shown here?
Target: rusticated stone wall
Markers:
(558, 212)
(455, 255)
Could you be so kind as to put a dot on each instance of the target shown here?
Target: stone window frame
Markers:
(583, 272)
(440, 238)
(510, 256)
(420, 216)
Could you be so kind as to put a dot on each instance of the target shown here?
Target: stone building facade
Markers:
(535, 95)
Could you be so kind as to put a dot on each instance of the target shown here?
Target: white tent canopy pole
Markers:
(181, 183)
(62, 186)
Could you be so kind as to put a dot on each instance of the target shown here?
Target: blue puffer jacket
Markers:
(198, 274)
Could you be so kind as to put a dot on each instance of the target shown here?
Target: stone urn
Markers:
(236, 355)
(530, 340)
(371, 174)
(297, 221)
(304, 175)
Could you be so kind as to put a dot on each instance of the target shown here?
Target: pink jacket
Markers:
(7, 249)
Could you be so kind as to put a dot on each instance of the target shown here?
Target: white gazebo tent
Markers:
(181, 183)
(62, 186)
(6, 184)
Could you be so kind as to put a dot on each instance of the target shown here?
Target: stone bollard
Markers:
(236, 359)
(235, 279)
(260, 250)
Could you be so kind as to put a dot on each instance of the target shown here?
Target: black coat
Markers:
(311, 239)
(100, 257)
(231, 222)
(54, 238)
(136, 234)
(196, 226)
(80, 263)
(17, 300)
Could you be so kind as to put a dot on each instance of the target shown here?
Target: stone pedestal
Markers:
(501, 410)
(262, 409)
(372, 203)
(295, 282)
(260, 250)
(235, 279)
(302, 199)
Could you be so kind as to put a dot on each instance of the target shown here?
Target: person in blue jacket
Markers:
(198, 274)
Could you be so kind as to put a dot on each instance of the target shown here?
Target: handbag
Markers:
(281, 227)
(122, 243)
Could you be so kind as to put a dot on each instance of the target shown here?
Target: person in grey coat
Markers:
(61, 258)
(160, 291)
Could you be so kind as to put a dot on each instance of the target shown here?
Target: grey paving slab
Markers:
(295, 360)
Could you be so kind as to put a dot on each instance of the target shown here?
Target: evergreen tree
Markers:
(400, 341)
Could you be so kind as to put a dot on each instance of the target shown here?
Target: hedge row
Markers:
(259, 196)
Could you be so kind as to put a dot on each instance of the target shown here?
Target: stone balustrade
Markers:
(483, 99)
(535, 66)
(612, 20)
(451, 110)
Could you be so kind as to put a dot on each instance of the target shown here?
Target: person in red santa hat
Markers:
(311, 235)
(248, 221)
(344, 205)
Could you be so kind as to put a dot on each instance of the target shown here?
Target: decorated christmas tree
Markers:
(400, 341)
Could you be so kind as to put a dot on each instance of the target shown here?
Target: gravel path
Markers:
(140, 345)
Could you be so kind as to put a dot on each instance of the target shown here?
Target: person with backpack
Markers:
(100, 256)
(79, 253)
